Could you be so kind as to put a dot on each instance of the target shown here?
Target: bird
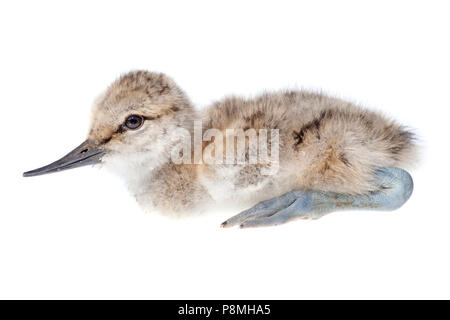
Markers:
(331, 154)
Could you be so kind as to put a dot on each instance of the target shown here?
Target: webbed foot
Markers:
(294, 204)
(395, 188)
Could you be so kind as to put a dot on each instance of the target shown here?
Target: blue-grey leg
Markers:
(395, 188)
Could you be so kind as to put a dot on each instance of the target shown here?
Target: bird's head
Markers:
(134, 123)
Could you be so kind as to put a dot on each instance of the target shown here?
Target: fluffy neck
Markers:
(155, 180)
(173, 188)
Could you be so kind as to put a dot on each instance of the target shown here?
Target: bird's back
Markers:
(325, 143)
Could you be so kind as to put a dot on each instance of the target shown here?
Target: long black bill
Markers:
(85, 154)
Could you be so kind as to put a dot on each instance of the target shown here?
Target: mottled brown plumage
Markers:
(294, 153)
(331, 144)
(326, 144)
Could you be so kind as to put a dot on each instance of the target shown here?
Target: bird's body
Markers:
(326, 144)
(327, 148)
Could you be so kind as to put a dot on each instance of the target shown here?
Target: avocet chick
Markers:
(320, 154)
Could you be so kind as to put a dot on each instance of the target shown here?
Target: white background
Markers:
(79, 234)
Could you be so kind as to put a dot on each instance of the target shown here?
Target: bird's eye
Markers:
(134, 122)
